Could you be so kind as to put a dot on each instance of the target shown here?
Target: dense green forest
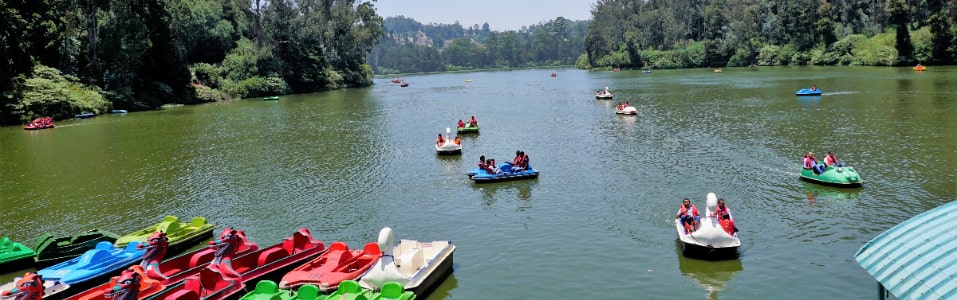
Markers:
(410, 46)
(717, 33)
(62, 57)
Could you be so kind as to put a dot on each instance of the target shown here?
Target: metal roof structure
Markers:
(917, 259)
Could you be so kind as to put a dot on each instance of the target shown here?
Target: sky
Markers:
(500, 14)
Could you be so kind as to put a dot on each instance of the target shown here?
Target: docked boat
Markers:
(808, 92)
(227, 279)
(836, 176)
(29, 285)
(604, 94)
(13, 255)
(85, 115)
(627, 110)
(348, 289)
(709, 240)
(51, 250)
(332, 267)
(181, 235)
(418, 266)
(88, 269)
(271, 98)
(174, 270)
(505, 173)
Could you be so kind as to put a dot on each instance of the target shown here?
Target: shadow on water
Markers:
(521, 189)
(444, 290)
(809, 101)
(712, 276)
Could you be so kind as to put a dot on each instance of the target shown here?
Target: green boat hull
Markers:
(13, 255)
(836, 176)
(181, 235)
(468, 129)
(348, 289)
(51, 250)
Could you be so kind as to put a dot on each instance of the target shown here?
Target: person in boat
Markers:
(457, 141)
(439, 140)
(831, 160)
(813, 87)
(518, 162)
(727, 223)
(627, 104)
(618, 107)
(482, 164)
(492, 168)
(461, 124)
(689, 216)
(722, 210)
(473, 122)
(810, 163)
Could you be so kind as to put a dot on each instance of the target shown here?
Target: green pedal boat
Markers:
(51, 250)
(181, 235)
(836, 176)
(348, 289)
(14, 256)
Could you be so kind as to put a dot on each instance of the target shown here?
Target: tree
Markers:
(898, 12)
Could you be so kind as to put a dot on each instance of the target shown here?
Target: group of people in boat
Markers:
(604, 92)
(691, 219)
(519, 163)
(41, 122)
(811, 163)
(440, 140)
(472, 123)
(621, 106)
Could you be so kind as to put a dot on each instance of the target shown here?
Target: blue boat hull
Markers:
(480, 176)
(93, 263)
(808, 92)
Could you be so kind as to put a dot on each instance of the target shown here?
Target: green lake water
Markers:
(597, 223)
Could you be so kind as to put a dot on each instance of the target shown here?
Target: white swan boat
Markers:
(605, 94)
(418, 266)
(709, 240)
(449, 147)
(627, 110)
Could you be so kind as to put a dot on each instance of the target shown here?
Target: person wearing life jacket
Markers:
(439, 140)
(727, 223)
(810, 163)
(461, 124)
(517, 162)
(524, 160)
(619, 107)
(689, 216)
(482, 164)
(473, 122)
(721, 210)
(457, 141)
(831, 160)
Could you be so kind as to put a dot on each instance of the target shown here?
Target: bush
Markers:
(582, 62)
(742, 57)
(768, 56)
(876, 51)
(50, 93)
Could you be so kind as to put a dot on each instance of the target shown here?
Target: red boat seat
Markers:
(204, 256)
(183, 295)
(271, 255)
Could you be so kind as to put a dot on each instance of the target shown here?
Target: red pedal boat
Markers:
(334, 266)
(226, 279)
(154, 279)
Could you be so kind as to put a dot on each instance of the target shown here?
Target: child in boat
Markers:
(482, 164)
(689, 216)
(439, 140)
(457, 141)
(728, 224)
(492, 168)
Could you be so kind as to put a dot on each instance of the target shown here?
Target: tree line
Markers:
(62, 57)
(717, 33)
(410, 46)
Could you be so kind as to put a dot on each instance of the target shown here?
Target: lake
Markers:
(598, 220)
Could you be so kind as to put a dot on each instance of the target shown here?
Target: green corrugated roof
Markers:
(916, 259)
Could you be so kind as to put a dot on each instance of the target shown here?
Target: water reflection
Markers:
(520, 189)
(819, 194)
(809, 101)
(712, 276)
(444, 290)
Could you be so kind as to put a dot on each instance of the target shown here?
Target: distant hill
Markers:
(410, 46)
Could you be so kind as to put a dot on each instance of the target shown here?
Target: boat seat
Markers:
(410, 261)
(307, 292)
(392, 290)
(197, 222)
(271, 255)
(349, 286)
(267, 287)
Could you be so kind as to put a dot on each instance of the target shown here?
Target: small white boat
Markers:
(449, 147)
(418, 266)
(709, 240)
(604, 94)
(627, 110)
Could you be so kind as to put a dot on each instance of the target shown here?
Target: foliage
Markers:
(50, 93)
(876, 51)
